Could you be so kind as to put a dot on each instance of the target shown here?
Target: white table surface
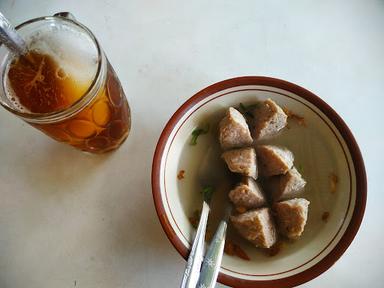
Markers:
(72, 220)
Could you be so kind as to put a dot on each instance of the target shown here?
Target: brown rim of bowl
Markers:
(361, 180)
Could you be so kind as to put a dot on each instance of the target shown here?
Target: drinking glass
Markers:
(99, 120)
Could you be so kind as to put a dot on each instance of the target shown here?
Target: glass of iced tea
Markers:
(65, 86)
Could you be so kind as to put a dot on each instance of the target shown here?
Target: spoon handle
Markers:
(192, 269)
(212, 261)
(10, 38)
(67, 15)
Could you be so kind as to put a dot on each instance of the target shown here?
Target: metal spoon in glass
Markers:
(10, 38)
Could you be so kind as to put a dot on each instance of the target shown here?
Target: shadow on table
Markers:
(58, 168)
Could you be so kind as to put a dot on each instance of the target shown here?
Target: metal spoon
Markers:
(212, 260)
(10, 38)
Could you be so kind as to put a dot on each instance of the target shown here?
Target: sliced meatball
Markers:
(273, 160)
(242, 161)
(247, 194)
(234, 131)
(269, 119)
(256, 226)
(291, 216)
(289, 185)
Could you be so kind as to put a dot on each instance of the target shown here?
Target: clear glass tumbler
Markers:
(97, 119)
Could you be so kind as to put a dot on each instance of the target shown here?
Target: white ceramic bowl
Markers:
(324, 146)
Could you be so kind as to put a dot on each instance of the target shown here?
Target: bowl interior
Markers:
(319, 150)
